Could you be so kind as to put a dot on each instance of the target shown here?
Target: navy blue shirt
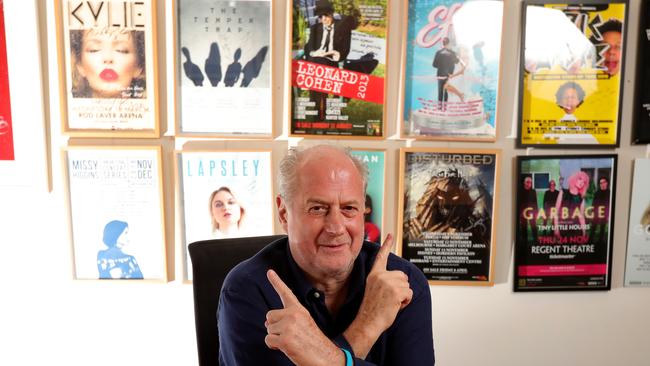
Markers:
(247, 296)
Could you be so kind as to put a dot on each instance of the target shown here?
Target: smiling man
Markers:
(323, 296)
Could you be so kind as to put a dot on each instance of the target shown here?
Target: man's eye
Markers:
(318, 209)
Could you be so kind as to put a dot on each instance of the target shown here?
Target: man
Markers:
(550, 201)
(527, 211)
(328, 44)
(444, 60)
(327, 291)
(611, 32)
(600, 219)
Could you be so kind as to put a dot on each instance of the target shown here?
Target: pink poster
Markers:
(6, 137)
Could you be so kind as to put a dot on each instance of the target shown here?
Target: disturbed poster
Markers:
(224, 66)
(572, 60)
(452, 68)
(447, 226)
(338, 52)
(564, 226)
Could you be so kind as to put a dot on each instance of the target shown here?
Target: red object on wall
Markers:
(6, 134)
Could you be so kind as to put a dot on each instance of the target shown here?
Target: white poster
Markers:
(637, 264)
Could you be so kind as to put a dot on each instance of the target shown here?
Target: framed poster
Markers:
(116, 212)
(452, 51)
(374, 213)
(446, 224)
(641, 132)
(223, 68)
(108, 70)
(637, 264)
(564, 227)
(23, 144)
(572, 73)
(225, 194)
(338, 68)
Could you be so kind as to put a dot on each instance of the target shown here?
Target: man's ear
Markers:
(282, 211)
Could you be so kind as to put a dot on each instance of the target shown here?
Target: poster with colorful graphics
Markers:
(452, 69)
(6, 134)
(374, 212)
(338, 68)
(572, 73)
(637, 264)
(564, 225)
(641, 114)
(224, 67)
(225, 194)
(116, 212)
(447, 213)
(109, 68)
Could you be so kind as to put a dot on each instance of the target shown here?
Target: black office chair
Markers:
(211, 262)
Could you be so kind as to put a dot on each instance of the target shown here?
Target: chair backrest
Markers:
(211, 262)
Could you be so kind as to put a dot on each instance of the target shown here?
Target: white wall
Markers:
(47, 318)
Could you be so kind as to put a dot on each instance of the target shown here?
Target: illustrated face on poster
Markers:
(226, 195)
(637, 264)
(564, 224)
(6, 134)
(448, 213)
(338, 69)
(373, 215)
(452, 68)
(116, 212)
(573, 62)
(109, 65)
(225, 66)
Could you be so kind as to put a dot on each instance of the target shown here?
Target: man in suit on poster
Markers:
(445, 60)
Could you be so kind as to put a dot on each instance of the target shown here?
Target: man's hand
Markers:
(386, 293)
(293, 331)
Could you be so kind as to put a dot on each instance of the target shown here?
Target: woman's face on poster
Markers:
(225, 209)
(109, 62)
(123, 239)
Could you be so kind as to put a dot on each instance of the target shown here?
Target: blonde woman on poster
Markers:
(227, 214)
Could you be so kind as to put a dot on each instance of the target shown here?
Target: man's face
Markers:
(603, 185)
(570, 100)
(552, 186)
(324, 218)
(327, 19)
(528, 183)
(613, 53)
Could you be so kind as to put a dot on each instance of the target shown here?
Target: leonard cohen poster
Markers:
(452, 68)
(564, 226)
(447, 226)
(6, 134)
(637, 264)
(226, 194)
(116, 211)
(373, 216)
(572, 74)
(109, 65)
(224, 66)
(338, 51)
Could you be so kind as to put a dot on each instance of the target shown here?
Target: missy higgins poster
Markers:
(338, 51)
(572, 72)
(116, 212)
(225, 194)
(452, 69)
(564, 222)
(447, 213)
(224, 66)
(637, 264)
(374, 212)
(6, 134)
(110, 75)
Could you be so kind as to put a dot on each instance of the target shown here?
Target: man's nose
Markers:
(334, 223)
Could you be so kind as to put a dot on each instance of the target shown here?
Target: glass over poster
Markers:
(446, 213)
(108, 68)
(225, 194)
(338, 67)
(223, 67)
(637, 264)
(373, 216)
(564, 225)
(116, 212)
(452, 69)
(572, 73)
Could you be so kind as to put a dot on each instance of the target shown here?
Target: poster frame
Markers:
(641, 114)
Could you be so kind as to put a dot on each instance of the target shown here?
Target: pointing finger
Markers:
(382, 255)
(286, 295)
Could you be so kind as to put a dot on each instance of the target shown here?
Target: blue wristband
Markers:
(348, 357)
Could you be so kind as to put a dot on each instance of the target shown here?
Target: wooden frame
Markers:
(454, 101)
(446, 213)
(641, 114)
(108, 68)
(637, 271)
(247, 174)
(375, 160)
(24, 153)
(572, 73)
(564, 243)
(355, 79)
(224, 97)
(108, 189)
